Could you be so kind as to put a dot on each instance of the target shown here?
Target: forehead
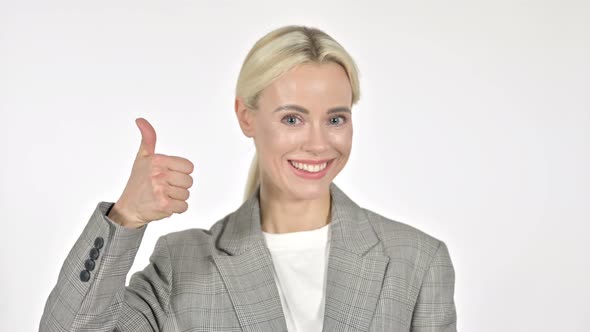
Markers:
(312, 85)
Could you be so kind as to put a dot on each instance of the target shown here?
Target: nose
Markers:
(317, 141)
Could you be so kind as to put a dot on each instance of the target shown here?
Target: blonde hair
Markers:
(279, 51)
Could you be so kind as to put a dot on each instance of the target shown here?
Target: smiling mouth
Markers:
(311, 168)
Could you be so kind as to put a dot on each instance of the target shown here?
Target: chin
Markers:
(311, 190)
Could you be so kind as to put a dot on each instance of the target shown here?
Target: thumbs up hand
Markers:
(157, 187)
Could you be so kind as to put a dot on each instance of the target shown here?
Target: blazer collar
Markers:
(349, 227)
(355, 271)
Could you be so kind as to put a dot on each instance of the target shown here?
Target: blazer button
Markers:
(98, 242)
(94, 253)
(84, 275)
(89, 264)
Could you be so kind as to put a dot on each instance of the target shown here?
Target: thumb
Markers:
(148, 137)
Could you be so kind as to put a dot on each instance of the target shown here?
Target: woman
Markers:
(297, 255)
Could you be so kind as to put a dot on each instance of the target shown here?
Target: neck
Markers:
(282, 214)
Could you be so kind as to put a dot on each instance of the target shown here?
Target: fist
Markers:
(157, 187)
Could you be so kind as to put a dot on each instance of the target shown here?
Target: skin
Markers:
(288, 202)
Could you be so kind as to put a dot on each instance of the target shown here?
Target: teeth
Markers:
(309, 168)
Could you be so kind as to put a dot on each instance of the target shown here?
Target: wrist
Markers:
(122, 217)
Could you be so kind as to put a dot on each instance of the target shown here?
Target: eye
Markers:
(293, 117)
(344, 119)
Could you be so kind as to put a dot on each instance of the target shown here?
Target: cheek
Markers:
(274, 139)
(342, 140)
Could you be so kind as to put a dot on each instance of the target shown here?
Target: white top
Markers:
(300, 261)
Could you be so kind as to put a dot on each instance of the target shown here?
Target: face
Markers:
(303, 116)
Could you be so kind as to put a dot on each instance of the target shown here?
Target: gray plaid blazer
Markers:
(382, 275)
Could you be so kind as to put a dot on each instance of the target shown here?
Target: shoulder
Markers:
(403, 241)
(193, 243)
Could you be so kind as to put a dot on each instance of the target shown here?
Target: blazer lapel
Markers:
(246, 267)
(356, 267)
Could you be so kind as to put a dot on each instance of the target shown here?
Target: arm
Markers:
(98, 300)
(435, 308)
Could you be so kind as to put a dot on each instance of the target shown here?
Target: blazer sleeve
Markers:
(98, 300)
(435, 308)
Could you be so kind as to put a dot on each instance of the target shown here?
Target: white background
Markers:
(473, 126)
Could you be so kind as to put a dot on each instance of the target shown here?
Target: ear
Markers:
(245, 117)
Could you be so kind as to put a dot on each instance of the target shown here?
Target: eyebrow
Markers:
(305, 111)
